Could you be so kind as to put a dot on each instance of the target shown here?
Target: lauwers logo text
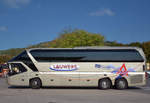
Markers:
(64, 67)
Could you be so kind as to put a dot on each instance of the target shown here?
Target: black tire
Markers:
(121, 84)
(35, 83)
(104, 84)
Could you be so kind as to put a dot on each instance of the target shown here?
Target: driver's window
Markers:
(17, 68)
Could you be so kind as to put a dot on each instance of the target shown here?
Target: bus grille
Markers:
(136, 79)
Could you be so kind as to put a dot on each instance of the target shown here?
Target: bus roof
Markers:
(92, 47)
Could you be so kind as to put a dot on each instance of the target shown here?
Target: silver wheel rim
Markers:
(35, 83)
(121, 84)
(104, 84)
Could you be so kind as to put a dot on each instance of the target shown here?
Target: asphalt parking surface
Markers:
(73, 95)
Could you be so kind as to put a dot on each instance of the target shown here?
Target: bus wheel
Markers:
(121, 84)
(35, 83)
(104, 84)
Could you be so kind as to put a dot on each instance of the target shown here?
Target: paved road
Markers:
(73, 95)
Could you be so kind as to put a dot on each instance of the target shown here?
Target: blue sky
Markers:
(27, 22)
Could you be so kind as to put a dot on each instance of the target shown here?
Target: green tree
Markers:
(75, 38)
(136, 44)
(4, 58)
(113, 43)
(146, 48)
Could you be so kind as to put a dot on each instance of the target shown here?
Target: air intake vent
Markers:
(136, 79)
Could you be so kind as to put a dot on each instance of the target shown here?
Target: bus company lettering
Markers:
(104, 66)
(64, 67)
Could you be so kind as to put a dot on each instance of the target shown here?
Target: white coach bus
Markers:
(104, 67)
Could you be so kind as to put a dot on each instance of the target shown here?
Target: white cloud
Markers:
(3, 28)
(102, 12)
(16, 3)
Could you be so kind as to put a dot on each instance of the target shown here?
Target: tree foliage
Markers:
(135, 44)
(77, 38)
(4, 58)
(114, 43)
(146, 48)
(12, 52)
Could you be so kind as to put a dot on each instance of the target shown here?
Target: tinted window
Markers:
(16, 68)
(0, 69)
(87, 55)
(20, 67)
(26, 60)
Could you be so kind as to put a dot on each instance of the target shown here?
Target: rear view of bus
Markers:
(102, 67)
